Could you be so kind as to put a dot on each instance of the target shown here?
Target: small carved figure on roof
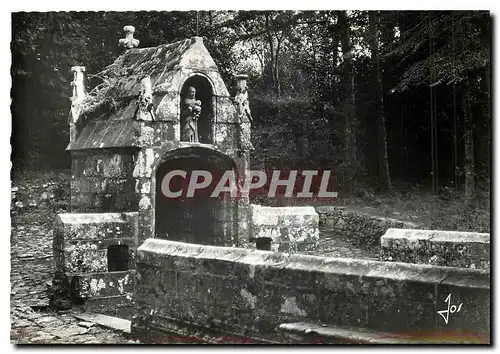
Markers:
(145, 100)
(243, 111)
(241, 100)
(190, 112)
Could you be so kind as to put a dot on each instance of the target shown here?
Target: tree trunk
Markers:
(273, 67)
(276, 65)
(383, 160)
(351, 123)
(482, 133)
(488, 117)
(468, 142)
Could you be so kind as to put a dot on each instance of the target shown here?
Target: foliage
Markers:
(297, 77)
(458, 41)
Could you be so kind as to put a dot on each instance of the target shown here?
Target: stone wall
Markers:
(361, 227)
(290, 229)
(102, 181)
(283, 141)
(251, 292)
(444, 248)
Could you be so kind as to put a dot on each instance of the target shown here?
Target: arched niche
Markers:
(205, 94)
(201, 219)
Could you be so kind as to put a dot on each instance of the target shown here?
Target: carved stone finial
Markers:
(129, 41)
(77, 98)
(77, 83)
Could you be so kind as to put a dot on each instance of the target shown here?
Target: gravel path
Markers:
(333, 244)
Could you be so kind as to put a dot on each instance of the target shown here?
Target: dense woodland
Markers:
(404, 96)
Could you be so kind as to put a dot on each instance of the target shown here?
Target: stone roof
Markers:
(102, 134)
(122, 78)
(116, 97)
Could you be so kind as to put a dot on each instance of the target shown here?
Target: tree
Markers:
(383, 160)
(448, 49)
(468, 140)
(309, 70)
(351, 122)
(44, 46)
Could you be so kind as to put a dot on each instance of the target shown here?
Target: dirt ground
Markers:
(37, 198)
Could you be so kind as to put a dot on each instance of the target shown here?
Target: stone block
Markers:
(98, 285)
(420, 291)
(226, 112)
(115, 306)
(97, 226)
(171, 131)
(112, 166)
(469, 309)
(81, 201)
(88, 246)
(144, 164)
(226, 135)
(445, 248)
(84, 257)
(290, 228)
(168, 107)
(401, 316)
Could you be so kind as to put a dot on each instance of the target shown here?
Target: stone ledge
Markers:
(255, 291)
(95, 227)
(154, 250)
(443, 248)
(94, 218)
(168, 330)
(114, 323)
(412, 236)
(271, 216)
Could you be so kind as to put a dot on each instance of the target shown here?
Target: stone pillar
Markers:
(243, 111)
(243, 158)
(145, 189)
(77, 99)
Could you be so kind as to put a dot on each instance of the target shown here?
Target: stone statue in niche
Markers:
(190, 112)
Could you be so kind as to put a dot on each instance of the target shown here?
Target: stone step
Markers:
(115, 323)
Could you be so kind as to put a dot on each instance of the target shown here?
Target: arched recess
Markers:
(204, 93)
(201, 219)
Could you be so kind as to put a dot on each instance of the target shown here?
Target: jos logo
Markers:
(451, 309)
